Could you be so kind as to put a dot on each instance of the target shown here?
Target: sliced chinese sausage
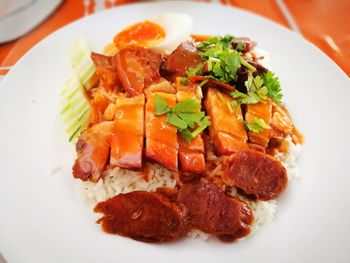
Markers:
(144, 216)
(137, 67)
(213, 212)
(256, 174)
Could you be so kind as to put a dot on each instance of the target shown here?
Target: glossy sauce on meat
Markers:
(128, 133)
(98, 104)
(256, 174)
(263, 111)
(213, 212)
(161, 137)
(227, 128)
(191, 154)
(144, 216)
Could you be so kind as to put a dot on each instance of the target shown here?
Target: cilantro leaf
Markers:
(192, 118)
(174, 120)
(256, 91)
(187, 106)
(225, 42)
(250, 98)
(184, 81)
(232, 62)
(185, 115)
(195, 71)
(160, 106)
(241, 46)
(273, 86)
(222, 60)
(257, 126)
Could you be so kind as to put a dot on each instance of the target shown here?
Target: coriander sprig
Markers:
(222, 60)
(273, 86)
(185, 116)
(259, 89)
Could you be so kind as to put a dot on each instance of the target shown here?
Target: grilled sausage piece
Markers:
(144, 216)
(256, 174)
(213, 212)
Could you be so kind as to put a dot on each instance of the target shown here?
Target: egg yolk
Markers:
(140, 34)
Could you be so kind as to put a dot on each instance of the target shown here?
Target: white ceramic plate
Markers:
(41, 218)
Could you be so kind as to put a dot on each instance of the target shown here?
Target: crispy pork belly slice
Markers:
(93, 148)
(161, 137)
(144, 216)
(128, 132)
(211, 211)
(261, 110)
(227, 129)
(191, 154)
(192, 157)
(255, 173)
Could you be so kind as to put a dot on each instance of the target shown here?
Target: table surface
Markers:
(323, 22)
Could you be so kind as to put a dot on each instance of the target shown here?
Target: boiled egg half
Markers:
(163, 33)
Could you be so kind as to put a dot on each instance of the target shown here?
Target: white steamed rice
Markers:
(118, 180)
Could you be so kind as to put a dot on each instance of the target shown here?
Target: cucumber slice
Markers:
(82, 64)
(75, 107)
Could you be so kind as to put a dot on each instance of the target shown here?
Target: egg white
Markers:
(178, 28)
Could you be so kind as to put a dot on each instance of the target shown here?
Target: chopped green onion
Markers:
(184, 81)
(229, 106)
(220, 96)
(203, 82)
(247, 65)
